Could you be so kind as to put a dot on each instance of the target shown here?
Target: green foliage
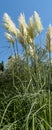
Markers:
(2, 66)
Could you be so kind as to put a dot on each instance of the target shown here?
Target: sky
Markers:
(14, 8)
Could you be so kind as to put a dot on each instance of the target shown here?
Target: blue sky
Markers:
(14, 8)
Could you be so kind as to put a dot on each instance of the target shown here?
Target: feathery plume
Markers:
(20, 37)
(49, 38)
(9, 38)
(8, 24)
(38, 24)
(31, 22)
(22, 24)
(30, 28)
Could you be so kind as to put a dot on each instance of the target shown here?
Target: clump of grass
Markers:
(26, 97)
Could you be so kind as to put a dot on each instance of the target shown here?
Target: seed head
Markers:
(9, 38)
(38, 24)
(22, 24)
(49, 38)
(8, 24)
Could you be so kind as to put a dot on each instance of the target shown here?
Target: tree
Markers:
(2, 66)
